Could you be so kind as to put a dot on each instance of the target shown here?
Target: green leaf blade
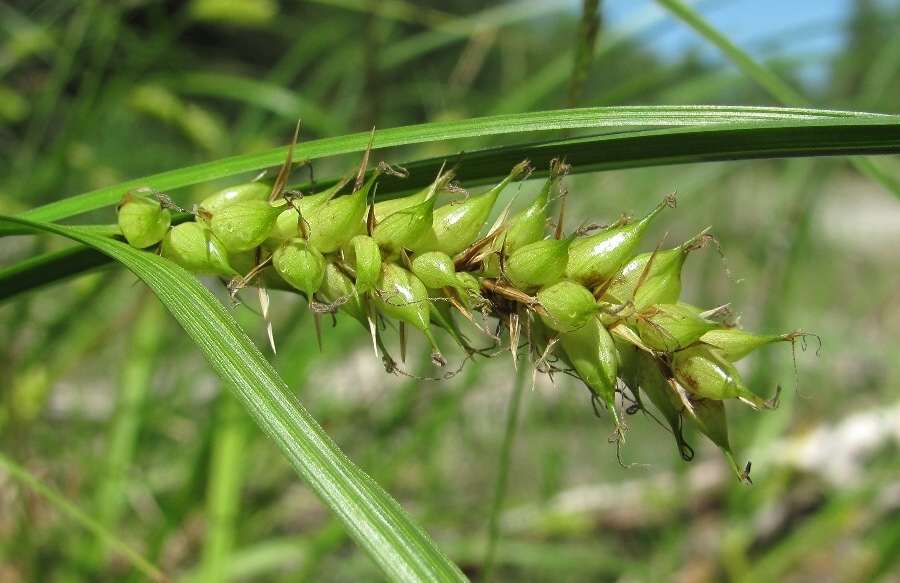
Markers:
(693, 117)
(381, 527)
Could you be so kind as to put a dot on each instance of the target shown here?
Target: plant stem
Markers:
(504, 462)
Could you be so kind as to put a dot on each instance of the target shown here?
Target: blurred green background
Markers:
(105, 400)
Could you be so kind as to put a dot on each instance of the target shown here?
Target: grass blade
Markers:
(381, 527)
(616, 118)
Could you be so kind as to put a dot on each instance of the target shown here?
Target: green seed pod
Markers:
(338, 288)
(469, 290)
(655, 386)
(538, 264)
(735, 344)
(404, 229)
(142, 219)
(568, 305)
(301, 265)
(662, 282)
(194, 247)
(708, 416)
(385, 208)
(243, 225)
(400, 294)
(288, 224)
(336, 221)
(436, 270)
(705, 373)
(671, 327)
(528, 226)
(595, 259)
(249, 191)
(456, 226)
(363, 254)
(592, 353)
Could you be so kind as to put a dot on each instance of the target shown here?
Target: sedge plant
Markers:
(587, 302)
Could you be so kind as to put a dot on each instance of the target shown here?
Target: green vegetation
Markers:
(125, 456)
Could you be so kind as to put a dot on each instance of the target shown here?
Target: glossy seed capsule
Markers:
(708, 416)
(247, 191)
(289, 224)
(332, 224)
(363, 255)
(455, 226)
(528, 226)
(705, 373)
(401, 295)
(142, 220)
(436, 270)
(591, 351)
(595, 259)
(243, 225)
(194, 247)
(538, 264)
(567, 305)
(385, 208)
(300, 264)
(337, 288)
(405, 228)
(671, 327)
(652, 278)
(626, 362)
(469, 290)
(655, 386)
(735, 343)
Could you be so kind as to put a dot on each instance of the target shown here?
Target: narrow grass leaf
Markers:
(381, 527)
(617, 118)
